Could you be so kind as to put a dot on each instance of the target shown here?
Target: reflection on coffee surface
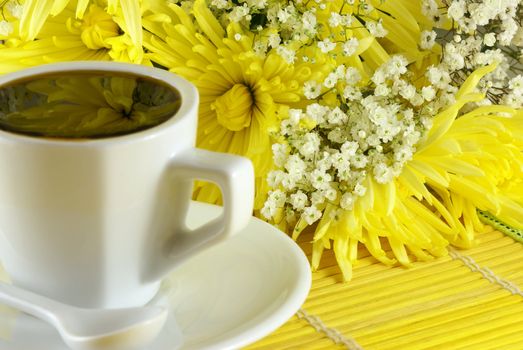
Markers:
(85, 105)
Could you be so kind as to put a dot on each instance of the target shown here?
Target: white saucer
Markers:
(225, 298)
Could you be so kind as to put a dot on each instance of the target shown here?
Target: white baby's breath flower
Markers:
(347, 201)
(320, 179)
(238, 13)
(326, 45)
(288, 54)
(428, 93)
(331, 80)
(295, 166)
(284, 14)
(360, 190)
(295, 116)
(381, 90)
(350, 46)
(280, 152)
(275, 201)
(311, 214)
(397, 65)
(299, 200)
(340, 71)
(310, 146)
(275, 177)
(427, 40)
(407, 91)
(517, 40)
(331, 194)
(312, 89)
(457, 10)
(351, 93)
(317, 112)
(382, 173)
(376, 29)
(379, 77)
(274, 40)
(257, 4)
(352, 76)
(309, 22)
(336, 116)
(516, 85)
(489, 39)
(335, 19)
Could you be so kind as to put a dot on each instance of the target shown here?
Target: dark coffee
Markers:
(85, 104)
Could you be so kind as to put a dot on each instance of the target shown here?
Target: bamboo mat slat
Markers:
(471, 299)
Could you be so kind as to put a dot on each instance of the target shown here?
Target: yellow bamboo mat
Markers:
(468, 300)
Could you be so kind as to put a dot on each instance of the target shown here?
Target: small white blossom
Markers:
(320, 179)
(312, 89)
(350, 46)
(331, 80)
(517, 40)
(317, 112)
(381, 90)
(279, 153)
(275, 177)
(382, 173)
(352, 76)
(238, 13)
(309, 22)
(284, 14)
(274, 40)
(310, 145)
(407, 91)
(428, 93)
(336, 116)
(220, 4)
(295, 166)
(299, 200)
(360, 190)
(347, 201)
(258, 4)
(286, 53)
(427, 40)
(331, 194)
(335, 19)
(457, 10)
(311, 214)
(275, 201)
(376, 29)
(489, 39)
(351, 93)
(326, 45)
(516, 85)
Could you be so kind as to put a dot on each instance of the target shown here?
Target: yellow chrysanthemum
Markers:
(98, 35)
(36, 12)
(242, 95)
(466, 163)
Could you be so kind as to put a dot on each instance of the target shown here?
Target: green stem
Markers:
(499, 225)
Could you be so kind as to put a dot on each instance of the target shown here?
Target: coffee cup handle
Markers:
(235, 177)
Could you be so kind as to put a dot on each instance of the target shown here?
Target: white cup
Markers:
(99, 222)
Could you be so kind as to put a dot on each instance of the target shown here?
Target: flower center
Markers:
(234, 108)
(97, 26)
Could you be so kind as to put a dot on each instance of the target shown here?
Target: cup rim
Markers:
(187, 91)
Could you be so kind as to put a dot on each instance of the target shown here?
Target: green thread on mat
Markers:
(499, 225)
